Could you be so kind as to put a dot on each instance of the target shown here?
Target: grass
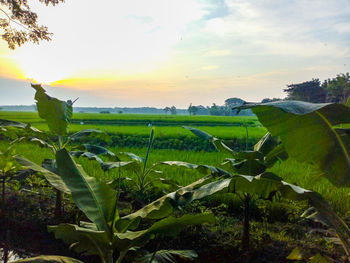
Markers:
(32, 117)
(291, 171)
(232, 127)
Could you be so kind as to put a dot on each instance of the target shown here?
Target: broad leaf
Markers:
(167, 256)
(199, 133)
(169, 203)
(98, 150)
(295, 254)
(90, 133)
(89, 155)
(84, 240)
(129, 166)
(170, 226)
(132, 156)
(96, 199)
(56, 113)
(219, 144)
(54, 179)
(204, 169)
(307, 131)
(52, 259)
(319, 259)
(246, 167)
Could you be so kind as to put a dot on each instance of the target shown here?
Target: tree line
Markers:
(336, 90)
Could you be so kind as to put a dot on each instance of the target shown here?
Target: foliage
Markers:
(56, 113)
(310, 91)
(106, 232)
(8, 168)
(338, 88)
(173, 110)
(18, 12)
(51, 259)
(304, 127)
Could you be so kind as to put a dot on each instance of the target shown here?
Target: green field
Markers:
(167, 125)
(291, 171)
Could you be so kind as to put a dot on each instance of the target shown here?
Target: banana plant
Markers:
(147, 179)
(313, 133)
(106, 231)
(252, 163)
(8, 168)
(57, 115)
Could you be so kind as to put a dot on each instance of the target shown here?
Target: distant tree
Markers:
(166, 109)
(173, 110)
(105, 112)
(216, 110)
(310, 91)
(266, 100)
(233, 101)
(0, 108)
(192, 110)
(338, 88)
(120, 111)
(201, 110)
(20, 23)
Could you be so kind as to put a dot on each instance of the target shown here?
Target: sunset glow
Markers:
(161, 52)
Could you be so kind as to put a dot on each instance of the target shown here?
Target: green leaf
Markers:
(129, 166)
(246, 167)
(56, 113)
(219, 144)
(267, 144)
(168, 256)
(170, 226)
(203, 169)
(85, 240)
(132, 156)
(98, 150)
(199, 133)
(54, 179)
(308, 133)
(90, 133)
(89, 155)
(96, 199)
(15, 124)
(52, 259)
(319, 259)
(169, 203)
(248, 155)
(276, 154)
(295, 254)
(41, 143)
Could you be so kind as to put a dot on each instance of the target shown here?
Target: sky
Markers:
(160, 53)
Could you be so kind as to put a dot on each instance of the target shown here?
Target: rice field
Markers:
(304, 175)
(291, 171)
(168, 125)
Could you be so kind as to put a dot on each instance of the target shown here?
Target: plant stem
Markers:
(3, 191)
(121, 256)
(109, 257)
(58, 208)
(155, 252)
(245, 237)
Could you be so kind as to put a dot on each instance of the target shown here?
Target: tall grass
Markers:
(291, 171)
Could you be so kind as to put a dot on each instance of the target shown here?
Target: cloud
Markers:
(211, 67)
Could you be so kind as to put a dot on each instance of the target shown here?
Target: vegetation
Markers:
(20, 14)
(332, 90)
(123, 207)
